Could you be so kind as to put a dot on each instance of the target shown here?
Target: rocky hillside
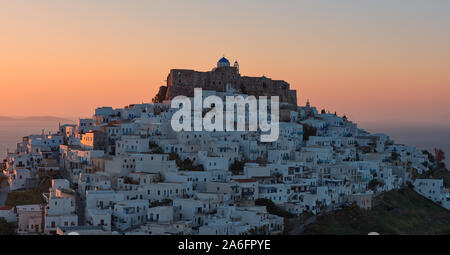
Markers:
(395, 212)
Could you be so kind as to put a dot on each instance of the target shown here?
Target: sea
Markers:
(12, 132)
(421, 136)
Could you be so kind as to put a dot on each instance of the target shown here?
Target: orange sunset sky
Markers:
(371, 60)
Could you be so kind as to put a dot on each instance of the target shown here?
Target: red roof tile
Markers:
(244, 180)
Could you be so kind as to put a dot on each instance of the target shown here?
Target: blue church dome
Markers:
(224, 60)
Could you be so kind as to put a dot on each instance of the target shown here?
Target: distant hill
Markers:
(6, 118)
(46, 118)
(35, 118)
(395, 212)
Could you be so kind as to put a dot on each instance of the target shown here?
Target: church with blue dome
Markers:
(223, 62)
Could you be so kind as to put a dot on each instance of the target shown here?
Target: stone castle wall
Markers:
(183, 82)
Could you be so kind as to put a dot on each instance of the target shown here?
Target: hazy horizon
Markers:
(370, 122)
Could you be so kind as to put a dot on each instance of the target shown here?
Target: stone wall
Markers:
(183, 82)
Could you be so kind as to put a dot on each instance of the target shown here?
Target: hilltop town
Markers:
(125, 171)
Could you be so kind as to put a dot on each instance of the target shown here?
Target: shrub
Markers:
(237, 167)
(272, 208)
(7, 228)
(308, 131)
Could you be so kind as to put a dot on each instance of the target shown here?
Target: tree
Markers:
(394, 155)
(373, 184)
(174, 156)
(308, 131)
(278, 177)
(164, 202)
(430, 156)
(188, 165)
(439, 155)
(155, 149)
(152, 145)
(272, 208)
(237, 167)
